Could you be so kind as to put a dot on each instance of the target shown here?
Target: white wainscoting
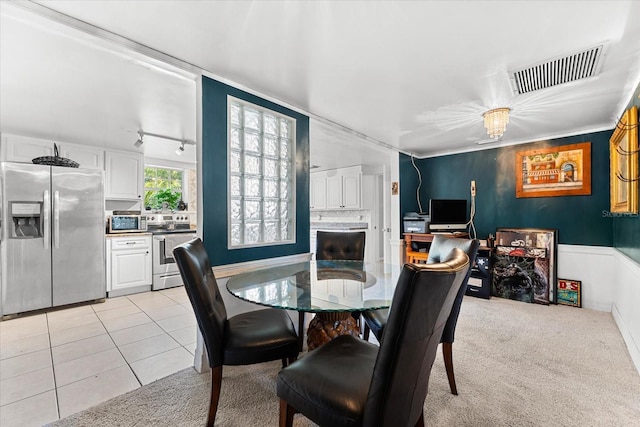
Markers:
(626, 304)
(594, 266)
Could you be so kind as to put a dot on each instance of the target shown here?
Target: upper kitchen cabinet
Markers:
(124, 172)
(87, 157)
(344, 188)
(318, 191)
(22, 149)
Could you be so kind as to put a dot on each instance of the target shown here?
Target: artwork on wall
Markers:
(623, 149)
(525, 265)
(570, 292)
(554, 171)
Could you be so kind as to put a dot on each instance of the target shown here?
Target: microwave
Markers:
(127, 224)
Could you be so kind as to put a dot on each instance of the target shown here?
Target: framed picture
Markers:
(570, 292)
(525, 267)
(623, 150)
(554, 171)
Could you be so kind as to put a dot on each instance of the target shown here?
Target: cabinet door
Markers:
(88, 157)
(334, 192)
(318, 193)
(351, 194)
(23, 149)
(130, 268)
(123, 175)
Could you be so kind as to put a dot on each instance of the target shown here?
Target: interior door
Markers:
(78, 226)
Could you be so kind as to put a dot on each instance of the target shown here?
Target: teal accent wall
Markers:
(214, 177)
(626, 229)
(580, 220)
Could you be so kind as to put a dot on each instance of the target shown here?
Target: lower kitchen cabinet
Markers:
(129, 264)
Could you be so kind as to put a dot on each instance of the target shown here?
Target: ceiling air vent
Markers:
(558, 71)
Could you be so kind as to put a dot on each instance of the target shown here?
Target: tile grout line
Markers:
(53, 368)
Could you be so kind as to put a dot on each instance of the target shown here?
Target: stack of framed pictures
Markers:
(525, 266)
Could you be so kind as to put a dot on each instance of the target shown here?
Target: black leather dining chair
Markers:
(351, 382)
(375, 320)
(244, 339)
(340, 245)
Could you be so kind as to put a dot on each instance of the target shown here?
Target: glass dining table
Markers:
(330, 289)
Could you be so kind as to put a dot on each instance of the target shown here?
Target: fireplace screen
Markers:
(525, 267)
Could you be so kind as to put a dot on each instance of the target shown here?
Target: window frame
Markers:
(293, 176)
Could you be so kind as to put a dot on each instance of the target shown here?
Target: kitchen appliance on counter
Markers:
(169, 231)
(51, 236)
(128, 223)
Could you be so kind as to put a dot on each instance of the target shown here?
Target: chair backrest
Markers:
(440, 248)
(202, 288)
(421, 304)
(340, 245)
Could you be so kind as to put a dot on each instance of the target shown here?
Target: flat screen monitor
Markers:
(448, 214)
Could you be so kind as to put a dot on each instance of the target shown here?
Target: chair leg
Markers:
(420, 422)
(300, 330)
(216, 383)
(286, 361)
(286, 414)
(448, 364)
(367, 330)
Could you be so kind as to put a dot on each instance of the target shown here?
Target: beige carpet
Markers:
(516, 364)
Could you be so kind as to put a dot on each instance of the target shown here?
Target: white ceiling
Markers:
(416, 76)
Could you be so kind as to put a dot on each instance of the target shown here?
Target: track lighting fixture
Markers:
(179, 150)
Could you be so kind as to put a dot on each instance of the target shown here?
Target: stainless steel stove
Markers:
(169, 231)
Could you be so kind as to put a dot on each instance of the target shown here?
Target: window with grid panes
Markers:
(261, 189)
(162, 185)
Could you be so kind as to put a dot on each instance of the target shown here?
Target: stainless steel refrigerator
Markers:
(52, 236)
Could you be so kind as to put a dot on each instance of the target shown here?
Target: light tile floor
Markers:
(61, 362)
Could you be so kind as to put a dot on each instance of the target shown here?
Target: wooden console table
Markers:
(414, 256)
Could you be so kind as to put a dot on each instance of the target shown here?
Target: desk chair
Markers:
(247, 338)
(375, 320)
(350, 382)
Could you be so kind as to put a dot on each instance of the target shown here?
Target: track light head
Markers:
(139, 142)
(180, 149)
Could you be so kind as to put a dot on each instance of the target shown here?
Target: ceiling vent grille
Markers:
(558, 71)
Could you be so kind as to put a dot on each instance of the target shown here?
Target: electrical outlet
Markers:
(473, 188)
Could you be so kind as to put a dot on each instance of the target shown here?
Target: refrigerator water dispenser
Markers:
(25, 220)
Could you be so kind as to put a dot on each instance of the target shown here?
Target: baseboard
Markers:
(242, 267)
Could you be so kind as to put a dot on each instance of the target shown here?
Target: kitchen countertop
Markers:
(339, 226)
(127, 234)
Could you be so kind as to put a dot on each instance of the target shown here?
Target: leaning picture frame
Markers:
(569, 292)
(554, 171)
(623, 152)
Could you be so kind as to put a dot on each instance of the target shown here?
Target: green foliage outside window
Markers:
(162, 185)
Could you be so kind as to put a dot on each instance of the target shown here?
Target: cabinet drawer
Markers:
(133, 243)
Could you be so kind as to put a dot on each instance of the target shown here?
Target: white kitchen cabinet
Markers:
(86, 156)
(129, 264)
(344, 189)
(22, 149)
(318, 191)
(124, 175)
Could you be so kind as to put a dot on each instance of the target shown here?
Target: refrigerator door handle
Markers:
(46, 203)
(56, 220)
